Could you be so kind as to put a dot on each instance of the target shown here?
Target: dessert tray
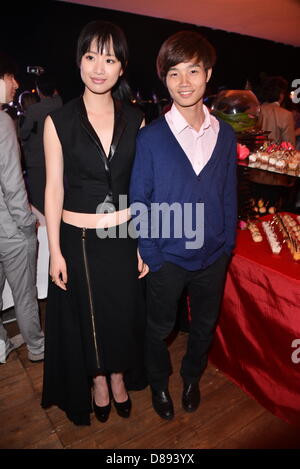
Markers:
(281, 159)
(280, 229)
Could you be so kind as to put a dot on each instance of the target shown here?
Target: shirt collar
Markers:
(180, 123)
(273, 102)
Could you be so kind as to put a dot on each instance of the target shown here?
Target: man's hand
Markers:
(142, 267)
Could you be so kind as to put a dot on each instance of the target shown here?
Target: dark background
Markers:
(45, 34)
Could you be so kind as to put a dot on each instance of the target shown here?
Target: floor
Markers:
(227, 417)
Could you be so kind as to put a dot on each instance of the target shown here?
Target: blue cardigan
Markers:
(163, 173)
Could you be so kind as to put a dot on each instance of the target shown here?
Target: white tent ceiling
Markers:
(276, 20)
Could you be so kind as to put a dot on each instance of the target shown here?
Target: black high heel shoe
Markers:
(123, 408)
(102, 412)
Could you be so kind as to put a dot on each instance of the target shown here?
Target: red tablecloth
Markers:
(259, 322)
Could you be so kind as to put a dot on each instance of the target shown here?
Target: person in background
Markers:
(294, 108)
(273, 116)
(275, 190)
(95, 308)
(31, 134)
(26, 99)
(18, 242)
(186, 158)
(296, 115)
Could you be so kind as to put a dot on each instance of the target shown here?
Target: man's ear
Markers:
(208, 74)
(2, 92)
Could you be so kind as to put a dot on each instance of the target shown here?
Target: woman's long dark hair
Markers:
(102, 31)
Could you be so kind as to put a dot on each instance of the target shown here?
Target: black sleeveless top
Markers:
(88, 174)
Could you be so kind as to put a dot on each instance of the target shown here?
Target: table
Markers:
(42, 264)
(257, 341)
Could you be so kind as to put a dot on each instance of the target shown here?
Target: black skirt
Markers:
(97, 325)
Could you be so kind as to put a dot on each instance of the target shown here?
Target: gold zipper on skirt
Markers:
(90, 295)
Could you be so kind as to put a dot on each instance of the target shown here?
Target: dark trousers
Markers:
(164, 288)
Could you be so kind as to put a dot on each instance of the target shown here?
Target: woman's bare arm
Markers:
(54, 195)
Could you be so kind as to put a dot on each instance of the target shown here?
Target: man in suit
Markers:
(18, 242)
(31, 133)
(184, 178)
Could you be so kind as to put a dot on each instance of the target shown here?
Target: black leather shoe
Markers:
(123, 408)
(162, 404)
(102, 412)
(190, 397)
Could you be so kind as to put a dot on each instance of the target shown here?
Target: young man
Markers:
(18, 242)
(184, 176)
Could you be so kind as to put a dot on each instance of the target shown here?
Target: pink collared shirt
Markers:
(198, 146)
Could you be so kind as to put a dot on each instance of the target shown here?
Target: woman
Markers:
(95, 310)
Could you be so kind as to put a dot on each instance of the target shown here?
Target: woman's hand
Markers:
(142, 267)
(58, 271)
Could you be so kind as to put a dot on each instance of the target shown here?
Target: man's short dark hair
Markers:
(182, 47)
(272, 88)
(7, 65)
(46, 84)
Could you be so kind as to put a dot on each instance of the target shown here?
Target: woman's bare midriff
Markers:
(96, 220)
